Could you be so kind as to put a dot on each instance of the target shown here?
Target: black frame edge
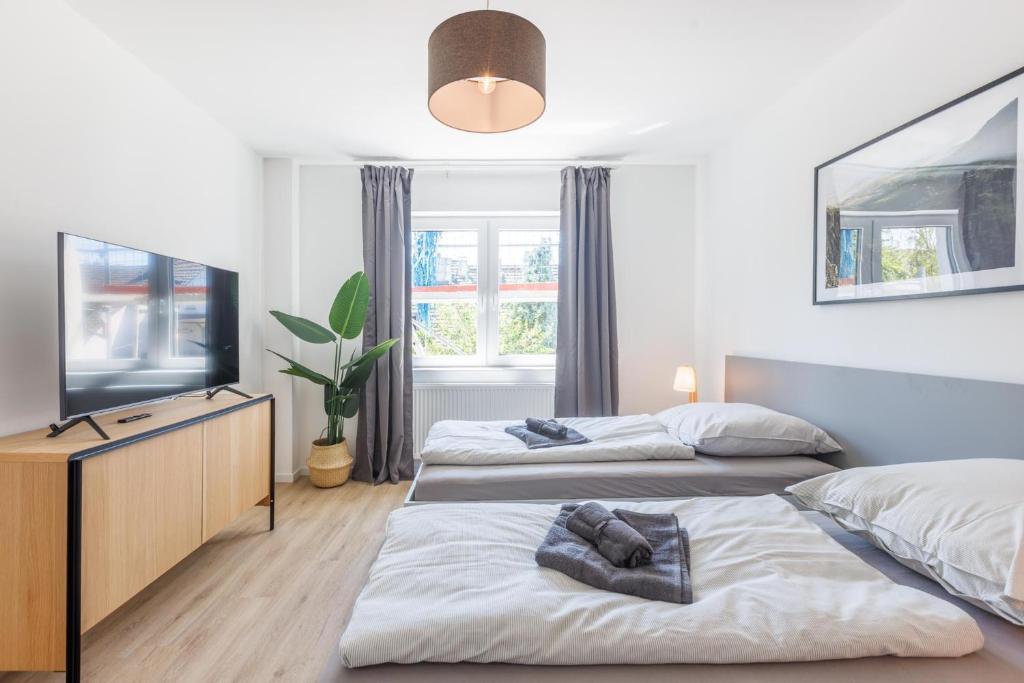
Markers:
(73, 587)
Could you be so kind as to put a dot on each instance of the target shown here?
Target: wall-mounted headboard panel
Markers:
(883, 418)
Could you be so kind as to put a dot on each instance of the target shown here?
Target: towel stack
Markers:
(646, 555)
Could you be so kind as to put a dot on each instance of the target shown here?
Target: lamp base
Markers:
(693, 397)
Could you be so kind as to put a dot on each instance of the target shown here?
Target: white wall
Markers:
(94, 143)
(653, 211)
(497, 189)
(755, 247)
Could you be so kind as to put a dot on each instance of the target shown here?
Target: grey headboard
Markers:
(882, 418)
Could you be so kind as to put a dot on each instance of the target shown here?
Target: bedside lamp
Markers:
(686, 380)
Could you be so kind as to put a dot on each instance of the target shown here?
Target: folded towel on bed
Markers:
(550, 428)
(620, 543)
(666, 578)
(534, 440)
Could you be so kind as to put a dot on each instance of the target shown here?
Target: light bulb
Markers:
(486, 84)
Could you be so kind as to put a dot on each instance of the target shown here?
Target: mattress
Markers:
(702, 476)
(459, 582)
(1000, 661)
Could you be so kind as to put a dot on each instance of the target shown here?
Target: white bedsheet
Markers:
(458, 582)
(627, 437)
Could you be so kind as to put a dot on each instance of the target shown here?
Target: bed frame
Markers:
(886, 418)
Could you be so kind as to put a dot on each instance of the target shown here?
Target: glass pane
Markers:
(444, 328)
(188, 333)
(910, 253)
(528, 292)
(444, 261)
(445, 276)
(528, 260)
(527, 328)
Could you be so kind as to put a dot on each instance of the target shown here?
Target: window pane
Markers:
(188, 334)
(444, 328)
(527, 328)
(528, 292)
(911, 253)
(528, 260)
(445, 302)
(444, 261)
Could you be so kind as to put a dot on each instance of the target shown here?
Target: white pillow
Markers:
(959, 522)
(744, 429)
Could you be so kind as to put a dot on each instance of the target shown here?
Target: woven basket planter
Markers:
(329, 466)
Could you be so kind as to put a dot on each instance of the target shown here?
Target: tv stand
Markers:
(57, 430)
(213, 392)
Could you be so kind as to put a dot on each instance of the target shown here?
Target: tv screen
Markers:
(137, 326)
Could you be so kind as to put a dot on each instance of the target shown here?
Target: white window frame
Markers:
(487, 364)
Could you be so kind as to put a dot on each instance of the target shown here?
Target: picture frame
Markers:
(931, 208)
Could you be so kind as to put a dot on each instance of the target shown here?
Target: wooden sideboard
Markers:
(86, 523)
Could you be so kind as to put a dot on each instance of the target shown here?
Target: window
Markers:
(485, 290)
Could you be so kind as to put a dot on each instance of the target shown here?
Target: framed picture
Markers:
(928, 209)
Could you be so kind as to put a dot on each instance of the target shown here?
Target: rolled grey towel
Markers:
(620, 543)
(666, 578)
(548, 428)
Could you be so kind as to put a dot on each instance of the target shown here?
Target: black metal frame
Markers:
(73, 625)
(73, 588)
(908, 124)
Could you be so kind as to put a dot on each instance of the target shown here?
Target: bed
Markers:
(1000, 661)
(630, 457)
(845, 608)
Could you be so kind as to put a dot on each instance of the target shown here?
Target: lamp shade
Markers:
(686, 379)
(486, 72)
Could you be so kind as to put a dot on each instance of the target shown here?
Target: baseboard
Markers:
(285, 478)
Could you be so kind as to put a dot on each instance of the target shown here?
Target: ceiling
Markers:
(655, 80)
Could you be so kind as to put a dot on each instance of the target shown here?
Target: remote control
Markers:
(133, 418)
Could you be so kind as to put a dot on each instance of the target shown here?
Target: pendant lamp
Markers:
(486, 72)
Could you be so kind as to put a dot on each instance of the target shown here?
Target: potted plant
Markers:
(330, 462)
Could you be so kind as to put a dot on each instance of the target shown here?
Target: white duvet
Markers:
(626, 437)
(458, 582)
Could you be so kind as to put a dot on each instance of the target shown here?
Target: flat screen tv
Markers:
(137, 326)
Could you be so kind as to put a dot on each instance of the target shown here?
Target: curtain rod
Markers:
(443, 164)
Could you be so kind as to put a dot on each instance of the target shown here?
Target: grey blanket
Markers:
(534, 440)
(666, 578)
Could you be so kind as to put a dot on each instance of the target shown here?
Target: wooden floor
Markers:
(249, 605)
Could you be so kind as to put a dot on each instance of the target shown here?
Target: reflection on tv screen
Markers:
(138, 326)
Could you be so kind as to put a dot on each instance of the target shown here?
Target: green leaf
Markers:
(351, 406)
(306, 330)
(297, 369)
(363, 366)
(348, 313)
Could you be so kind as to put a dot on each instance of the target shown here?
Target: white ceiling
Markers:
(659, 80)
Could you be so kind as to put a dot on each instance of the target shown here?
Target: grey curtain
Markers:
(586, 356)
(384, 447)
